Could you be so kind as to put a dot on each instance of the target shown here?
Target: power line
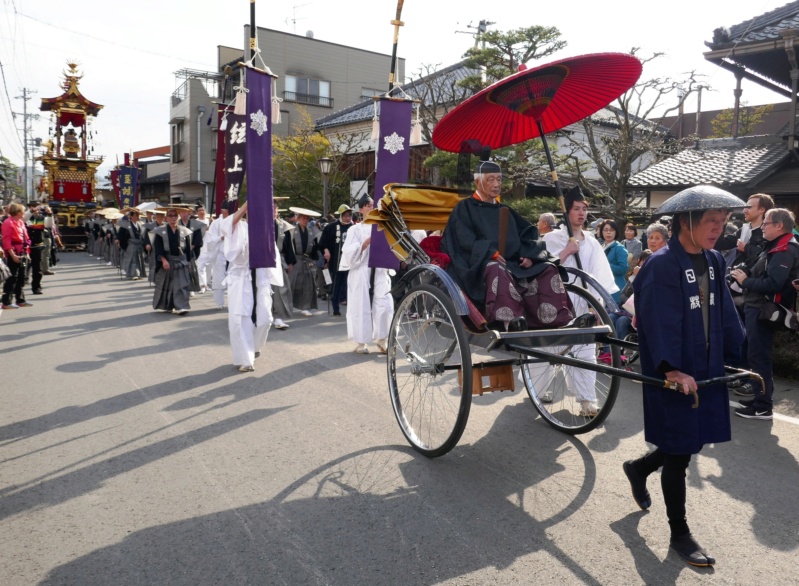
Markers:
(110, 42)
(10, 107)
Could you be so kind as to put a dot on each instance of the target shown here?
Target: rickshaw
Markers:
(431, 368)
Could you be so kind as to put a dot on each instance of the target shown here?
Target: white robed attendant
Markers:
(213, 254)
(246, 337)
(593, 259)
(366, 321)
(581, 382)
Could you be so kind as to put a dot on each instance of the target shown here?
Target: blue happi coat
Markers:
(670, 328)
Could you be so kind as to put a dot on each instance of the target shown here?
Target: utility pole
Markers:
(481, 29)
(27, 174)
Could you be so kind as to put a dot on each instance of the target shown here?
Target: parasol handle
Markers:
(504, 214)
(558, 190)
(396, 23)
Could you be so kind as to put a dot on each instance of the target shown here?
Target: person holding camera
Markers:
(770, 278)
(750, 243)
(16, 245)
(35, 227)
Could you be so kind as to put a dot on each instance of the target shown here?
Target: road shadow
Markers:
(59, 489)
(382, 515)
(249, 387)
(649, 566)
(76, 414)
(757, 469)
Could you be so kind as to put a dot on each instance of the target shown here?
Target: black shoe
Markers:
(587, 320)
(38, 292)
(744, 390)
(638, 485)
(689, 550)
(517, 324)
(337, 313)
(746, 402)
(752, 413)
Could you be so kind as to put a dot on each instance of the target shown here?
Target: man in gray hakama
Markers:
(172, 246)
(282, 298)
(148, 237)
(302, 274)
(132, 246)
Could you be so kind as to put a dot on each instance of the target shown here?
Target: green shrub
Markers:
(532, 208)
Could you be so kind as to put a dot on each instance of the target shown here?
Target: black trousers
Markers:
(13, 287)
(36, 268)
(672, 482)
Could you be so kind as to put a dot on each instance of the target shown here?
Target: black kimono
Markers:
(471, 237)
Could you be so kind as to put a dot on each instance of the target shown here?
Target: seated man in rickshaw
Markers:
(517, 290)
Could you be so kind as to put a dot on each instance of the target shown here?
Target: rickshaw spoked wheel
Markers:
(571, 399)
(429, 370)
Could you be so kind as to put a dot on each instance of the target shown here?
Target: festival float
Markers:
(69, 164)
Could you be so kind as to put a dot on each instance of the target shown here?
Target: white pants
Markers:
(218, 279)
(247, 338)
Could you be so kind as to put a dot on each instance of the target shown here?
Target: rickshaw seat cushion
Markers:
(432, 246)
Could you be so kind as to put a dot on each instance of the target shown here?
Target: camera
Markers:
(741, 267)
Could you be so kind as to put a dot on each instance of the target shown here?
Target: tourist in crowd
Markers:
(35, 227)
(631, 241)
(657, 236)
(616, 255)
(769, 279)
(16, 247)
(546, 223)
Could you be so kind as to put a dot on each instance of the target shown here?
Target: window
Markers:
(369, 93)
(177, 142)
(308, 91)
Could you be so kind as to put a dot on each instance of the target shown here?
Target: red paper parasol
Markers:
(551, 96)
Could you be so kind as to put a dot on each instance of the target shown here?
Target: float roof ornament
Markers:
(71, 101)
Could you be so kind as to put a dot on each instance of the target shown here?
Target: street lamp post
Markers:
(325, 165)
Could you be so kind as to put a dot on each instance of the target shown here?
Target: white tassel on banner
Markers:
(241, 101)
(376, 125)
(275, 103)
(416, 130)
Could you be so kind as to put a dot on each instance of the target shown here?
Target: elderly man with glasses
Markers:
(769, 279)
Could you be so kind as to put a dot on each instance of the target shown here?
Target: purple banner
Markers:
(260, 213)
(128, 178)
(393, 159)
(235, 136)
(220, 188)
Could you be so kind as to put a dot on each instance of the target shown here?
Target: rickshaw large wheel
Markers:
(429, 371)
(569, 398)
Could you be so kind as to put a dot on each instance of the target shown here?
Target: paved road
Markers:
(132, 452)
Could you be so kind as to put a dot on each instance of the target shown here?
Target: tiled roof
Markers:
(766, 26)
(721, 162)
(364, 110)
(760, 28)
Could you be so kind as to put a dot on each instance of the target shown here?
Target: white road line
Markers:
(779, 416)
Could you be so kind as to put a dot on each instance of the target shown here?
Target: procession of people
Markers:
(183, 253)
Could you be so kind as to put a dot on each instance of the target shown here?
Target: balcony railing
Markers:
(308, 99)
